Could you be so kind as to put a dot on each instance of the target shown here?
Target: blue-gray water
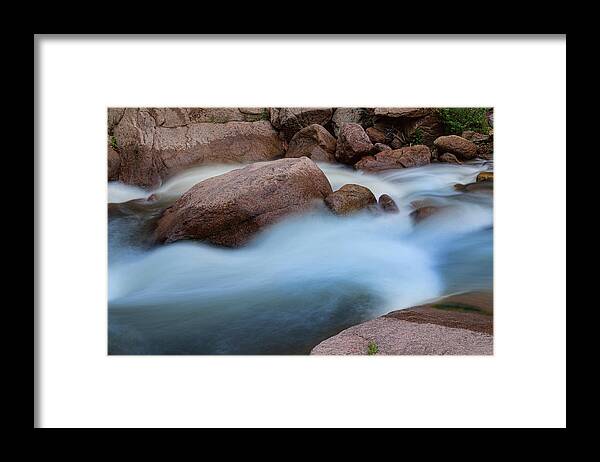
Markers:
(299, 281)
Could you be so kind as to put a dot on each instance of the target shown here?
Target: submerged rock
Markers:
(460, 147)
(229, 209)
(481, 186)
(350, 198)
(485, 176)
(314, 142)
(387, 204)
(424, 212)
(448, 158)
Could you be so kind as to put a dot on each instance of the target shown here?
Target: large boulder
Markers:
(114, 164)
(344, 115)
(229, 209)
(292, 119)
(350, 198)
(409, 156)
(352, 144)
(457, 145)
(156, 143)
(314, 142)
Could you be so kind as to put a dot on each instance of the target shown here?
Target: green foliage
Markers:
(416, 137)
(113, 142)
(373, 349)
(462, 307)
(265, 115)
(458, 119)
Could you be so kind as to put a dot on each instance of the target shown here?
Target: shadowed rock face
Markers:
(156, 143)
(114, 164)
(448, 158)
(410, 156)
(290, 120)
(352, 144)
(460, 147)
(378, 147)
(229, 209)
(350, 198)
(314, 142)
(344, 115)
(376, 136)
(404, 126)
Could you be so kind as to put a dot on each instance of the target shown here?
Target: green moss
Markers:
(373, 349)
(458, 119)
(462, 307)
(113, 142)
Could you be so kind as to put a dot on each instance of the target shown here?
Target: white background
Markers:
(523, 384)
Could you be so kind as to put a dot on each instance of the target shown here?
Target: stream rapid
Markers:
(299, 281)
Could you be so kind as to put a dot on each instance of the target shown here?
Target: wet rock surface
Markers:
(229, 209)
(456, 325)
(350, 198)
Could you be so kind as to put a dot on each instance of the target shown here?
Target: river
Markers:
(299, 281)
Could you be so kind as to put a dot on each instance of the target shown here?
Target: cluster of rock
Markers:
(146, 145)
(282, 145)
(230, 209)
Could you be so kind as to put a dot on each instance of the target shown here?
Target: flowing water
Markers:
(299, 281)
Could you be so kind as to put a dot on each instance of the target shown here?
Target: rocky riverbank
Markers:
(148, 145)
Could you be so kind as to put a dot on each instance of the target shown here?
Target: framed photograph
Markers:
(227, 238)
